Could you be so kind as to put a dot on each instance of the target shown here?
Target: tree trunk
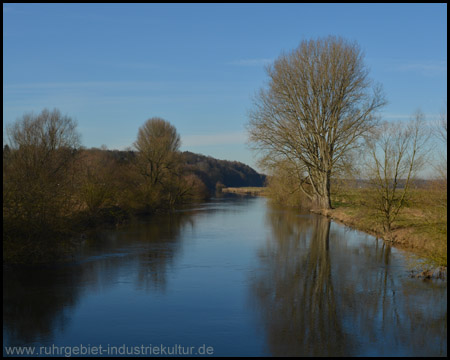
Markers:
(323, 200)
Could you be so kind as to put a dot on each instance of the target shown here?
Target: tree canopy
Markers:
(318, 102)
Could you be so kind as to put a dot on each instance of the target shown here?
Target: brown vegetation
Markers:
(253, 191)
(53, 189)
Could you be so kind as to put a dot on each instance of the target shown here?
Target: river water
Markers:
(230, 277)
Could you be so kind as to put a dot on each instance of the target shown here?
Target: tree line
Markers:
(216, 173)
(53, 188)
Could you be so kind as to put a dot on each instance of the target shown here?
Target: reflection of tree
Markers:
(318, 296)
(160, 236)
(359, 303)
(397, 315)
(37, 301)
(296, 293)
(149, 243)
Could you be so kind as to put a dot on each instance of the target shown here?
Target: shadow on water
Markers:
(324, 291)
(149, 245)
(39, 301)
(36, 301)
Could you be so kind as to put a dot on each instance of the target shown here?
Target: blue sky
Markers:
(113, 66)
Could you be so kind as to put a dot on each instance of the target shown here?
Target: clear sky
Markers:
(113, 66)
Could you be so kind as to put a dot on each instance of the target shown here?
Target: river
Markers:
(233, 276)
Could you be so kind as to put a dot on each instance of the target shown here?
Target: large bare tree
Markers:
(319, 101)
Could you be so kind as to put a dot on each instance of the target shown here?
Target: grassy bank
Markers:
(420, 228)
(254, 191)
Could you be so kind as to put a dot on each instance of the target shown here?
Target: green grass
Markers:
(421, 226)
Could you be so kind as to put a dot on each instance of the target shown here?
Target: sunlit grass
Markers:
(421, 226)
(248, 190)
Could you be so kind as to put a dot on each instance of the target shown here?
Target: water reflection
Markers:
(295, 293)
(316, 289)
(38, 302)
(160, 238)
(324, 291)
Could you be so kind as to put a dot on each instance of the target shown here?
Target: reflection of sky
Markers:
(189, 279)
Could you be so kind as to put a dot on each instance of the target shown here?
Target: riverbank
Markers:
(408, 238)
(253, 191)
(416, 231)
(54, 248)
(420, 229)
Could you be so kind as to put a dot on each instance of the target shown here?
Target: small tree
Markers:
(284, 186)
(440, 131)
(437, 196)
(395, 155)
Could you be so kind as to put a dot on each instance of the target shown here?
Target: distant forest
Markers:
(213, 172)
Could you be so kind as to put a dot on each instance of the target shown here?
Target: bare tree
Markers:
(158, 145)
(317, 105)
(396, 152)
(440, 130)
(38, 181)
(442, 126)
(159, 163)
(438, 186)
(42, 149)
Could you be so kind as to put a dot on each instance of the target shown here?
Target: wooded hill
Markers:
(223, 172)
(209, 170)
